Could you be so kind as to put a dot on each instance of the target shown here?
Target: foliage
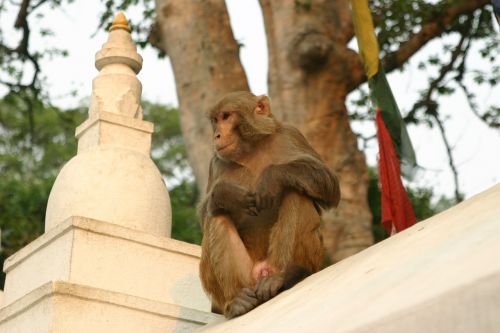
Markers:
(450, 70)
(397, 21)
(32, 149)
(169, 154)
(29, 162)
(168, 151)
(185, 225)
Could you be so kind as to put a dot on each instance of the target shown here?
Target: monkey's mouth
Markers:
(221, 148)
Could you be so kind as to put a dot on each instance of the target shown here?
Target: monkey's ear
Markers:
(263, 107)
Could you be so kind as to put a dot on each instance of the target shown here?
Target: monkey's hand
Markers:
(230, 198)
(245, 301)
(268, 287)
(269, 189)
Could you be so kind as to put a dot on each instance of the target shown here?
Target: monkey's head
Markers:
(239, 121)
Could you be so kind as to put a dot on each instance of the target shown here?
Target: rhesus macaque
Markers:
(261, 214)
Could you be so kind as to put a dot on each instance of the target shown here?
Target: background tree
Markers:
(312, 70)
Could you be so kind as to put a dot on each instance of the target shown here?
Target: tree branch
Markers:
(449, 150)
(491, 121)
(429, 31)
(365, 139)
(22, 53)
(35, 6)
(432, 107)
(22, 14)
(427, 101)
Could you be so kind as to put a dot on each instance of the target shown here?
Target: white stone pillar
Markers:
(112, 178)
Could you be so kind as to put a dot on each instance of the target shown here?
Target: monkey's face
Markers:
(241, 121)
(227, 141)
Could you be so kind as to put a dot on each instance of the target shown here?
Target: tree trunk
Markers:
(311, 71)
(197, 37)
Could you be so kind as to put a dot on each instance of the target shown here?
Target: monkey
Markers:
(261, 213)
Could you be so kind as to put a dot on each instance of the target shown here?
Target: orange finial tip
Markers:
(120, 22)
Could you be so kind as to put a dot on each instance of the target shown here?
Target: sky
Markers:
(476, 147)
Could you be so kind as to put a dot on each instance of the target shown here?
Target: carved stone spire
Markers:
(112, 178)
(116, 88)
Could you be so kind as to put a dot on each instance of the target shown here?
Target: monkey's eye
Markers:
(225, 115)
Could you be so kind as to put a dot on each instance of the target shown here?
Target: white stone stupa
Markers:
(106, 262)
(112, 178)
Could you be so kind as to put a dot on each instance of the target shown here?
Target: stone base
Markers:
(110, 257)
(60, 307)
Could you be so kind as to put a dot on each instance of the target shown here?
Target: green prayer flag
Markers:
(382, 98)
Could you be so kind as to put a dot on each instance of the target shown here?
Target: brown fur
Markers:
(261, 214)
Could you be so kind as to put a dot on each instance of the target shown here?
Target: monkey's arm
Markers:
(202, 208)
(306, 175)
(230, 198)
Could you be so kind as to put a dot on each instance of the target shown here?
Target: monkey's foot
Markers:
(268, 287)
(245, 301)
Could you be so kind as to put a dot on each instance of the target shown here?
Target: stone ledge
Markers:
(109, 129)
(66, 307)
(104, 228)
(113, 118)
(111, 257)
(42, 241)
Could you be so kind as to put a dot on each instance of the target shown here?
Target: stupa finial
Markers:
(120, 22)
(116, 88)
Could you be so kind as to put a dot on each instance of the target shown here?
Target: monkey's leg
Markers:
(226, 267)
(295, 246)
(207, 277)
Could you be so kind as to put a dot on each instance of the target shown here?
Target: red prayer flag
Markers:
(397, 211)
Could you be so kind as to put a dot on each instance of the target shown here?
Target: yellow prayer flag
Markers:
(367, 41)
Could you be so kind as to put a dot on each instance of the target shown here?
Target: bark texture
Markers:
(311, 73)
(197, 37)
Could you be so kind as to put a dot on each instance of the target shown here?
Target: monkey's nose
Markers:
(217, 136)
